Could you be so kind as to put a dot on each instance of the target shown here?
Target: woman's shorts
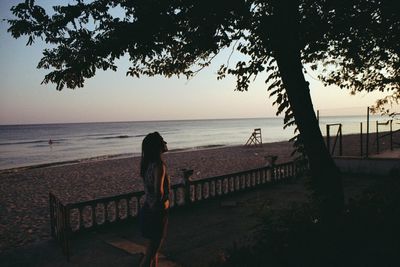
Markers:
(153, 222)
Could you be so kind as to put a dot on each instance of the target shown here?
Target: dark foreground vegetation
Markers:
(367, 234)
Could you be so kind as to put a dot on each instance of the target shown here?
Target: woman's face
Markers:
(164, 147)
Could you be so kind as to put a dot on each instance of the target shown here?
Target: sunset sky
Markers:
(112, 96)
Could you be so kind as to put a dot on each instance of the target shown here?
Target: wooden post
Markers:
(361, 140)
(367, 142)
(340, 140)
(328, 145)
(377, 138)
(391, 135)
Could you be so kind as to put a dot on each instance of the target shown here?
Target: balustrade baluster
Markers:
(92, 207)
(99, 212)
(105, 212)
(212, 191)
(206, 190)
(192, 194)
(263, 174)
(81, 222)
(135, 206)
(198, 191)
(224, 186)
(219, 187)
(236, 183)
(172, 198)
(117, 203)
(128, 208)
(123, 209)
(182, 196)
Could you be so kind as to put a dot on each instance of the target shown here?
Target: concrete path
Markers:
(389, 154)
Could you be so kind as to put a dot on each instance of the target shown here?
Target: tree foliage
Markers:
(353, 43)
(357, 47)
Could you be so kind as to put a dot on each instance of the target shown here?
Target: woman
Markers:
(154, 214)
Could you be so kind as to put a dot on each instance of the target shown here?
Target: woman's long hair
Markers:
(151, 151)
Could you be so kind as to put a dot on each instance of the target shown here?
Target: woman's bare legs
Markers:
(151, 257)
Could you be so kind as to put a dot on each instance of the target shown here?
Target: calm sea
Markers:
(24, 145)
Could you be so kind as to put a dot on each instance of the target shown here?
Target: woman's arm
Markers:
(159, 177)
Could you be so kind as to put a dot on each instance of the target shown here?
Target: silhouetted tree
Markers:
(354, 42)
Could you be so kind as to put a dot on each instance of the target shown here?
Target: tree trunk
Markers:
(326, 177)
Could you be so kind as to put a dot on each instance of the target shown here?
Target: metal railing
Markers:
(390, 134)
(338, 136)
(68, 219)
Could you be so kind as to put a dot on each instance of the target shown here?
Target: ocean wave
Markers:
(32, 142)
(122, 136)
(209, 146)
(196, 148)
(21, 166)
(116, 137)
(100, 134)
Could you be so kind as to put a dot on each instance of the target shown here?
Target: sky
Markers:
(112, 96)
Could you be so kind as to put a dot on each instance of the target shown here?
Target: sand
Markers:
(24, 210)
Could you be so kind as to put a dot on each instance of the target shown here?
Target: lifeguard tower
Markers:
(255, 138)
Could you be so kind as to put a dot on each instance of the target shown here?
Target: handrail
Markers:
(71, 218)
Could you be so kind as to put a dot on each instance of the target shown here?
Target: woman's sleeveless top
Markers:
(151, 198)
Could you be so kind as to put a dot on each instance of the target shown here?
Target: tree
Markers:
(175, 37)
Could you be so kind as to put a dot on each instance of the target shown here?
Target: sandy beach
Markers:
(24, 211)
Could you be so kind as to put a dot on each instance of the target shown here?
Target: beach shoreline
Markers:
(106, 157)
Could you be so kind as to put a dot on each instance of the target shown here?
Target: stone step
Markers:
(135, 249)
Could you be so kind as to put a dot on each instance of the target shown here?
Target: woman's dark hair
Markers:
(151, 151)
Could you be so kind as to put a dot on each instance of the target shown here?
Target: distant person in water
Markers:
(153, 216)
(50, 142)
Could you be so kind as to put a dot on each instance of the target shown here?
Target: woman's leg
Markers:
(151, 257)
(155, 246)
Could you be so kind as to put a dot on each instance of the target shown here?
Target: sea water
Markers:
(25, 145)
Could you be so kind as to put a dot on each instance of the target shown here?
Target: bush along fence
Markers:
(69, 219)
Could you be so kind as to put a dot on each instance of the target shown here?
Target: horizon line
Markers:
(166, 120)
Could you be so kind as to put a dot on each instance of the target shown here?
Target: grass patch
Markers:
(367, 234)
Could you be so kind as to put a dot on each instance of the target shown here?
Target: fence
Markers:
(369, 143)
(390, 134)
(68, 219)
(338, 136)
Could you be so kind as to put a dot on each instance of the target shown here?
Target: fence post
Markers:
(340, 140)
(391, 135)
(377, 138)
(361, 140)
(51, 206)
(327, 139)
(367, 142)
(187, 174)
